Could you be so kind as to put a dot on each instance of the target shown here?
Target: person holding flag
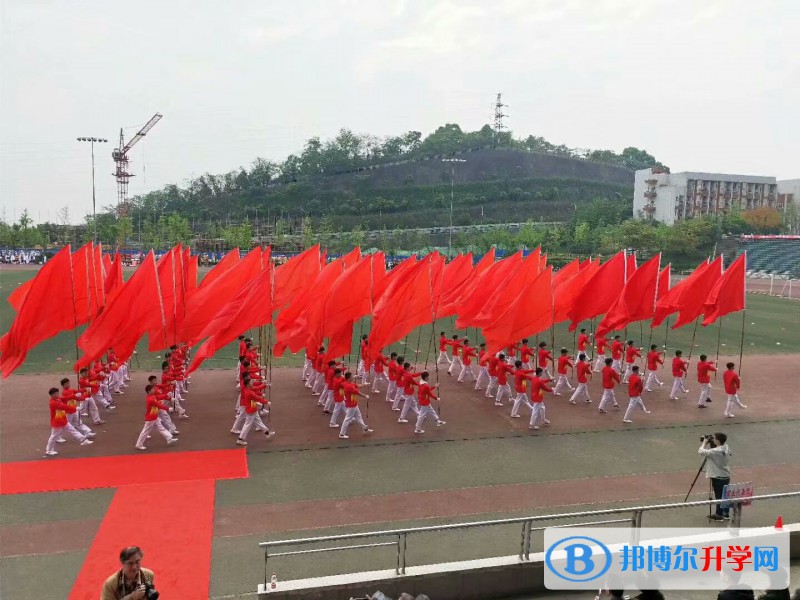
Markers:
(600, 344)
(426, 393)
(503, 388)
(443, 343)
(564, 363)
(610, 379)
(653, 360)
(617, 350)
(352, 411)
(584, 375)
(635, 388)
(538, 388)
(151, 419)
(467, 354)
(522, 376)
(455, 364)
(631, 354)
(583, 341)
(704, 367)
(679, 369)
(732, 385)
(526, 354)
(59, 423)
(483, 373)
(544, 358)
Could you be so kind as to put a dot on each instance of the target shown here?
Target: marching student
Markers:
(635, 388)
(653, 360)
(73, 398)
(600, 343)
(251, 403)
(455, 363)
(679, 369)
(168, 383)
(491, 364)
(391, 388)
(151, 420)
(407, 392)
(483, 374)
(426, 393)
(361, 368)
(399, 383)
(443, 343)
(521, 378)
(308, 366)
(338, 399)
(511, 353)
(379, 371)
(584, 370)
(610, 379)
(704, 367)
(352, 412)
(91, 394)
(631, 354)
(564, 363)
(544, 357)
(503, 388)
(162, 395)
(583, 341)
(617, 350)
(732, 385)
(538, 388)
(327, 393)
(59, 423)
(467, 353)
(337, 379)
(319, 373)
(526, 353)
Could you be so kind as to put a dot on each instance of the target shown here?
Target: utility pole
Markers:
(452, 162)
(92, 140)
(498, 117)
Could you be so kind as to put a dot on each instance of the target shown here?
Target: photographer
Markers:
(132, 581)
(717, 454)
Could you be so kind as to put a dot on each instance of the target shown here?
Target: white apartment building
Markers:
(671, 197)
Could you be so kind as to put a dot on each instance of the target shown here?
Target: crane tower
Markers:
(120, 156)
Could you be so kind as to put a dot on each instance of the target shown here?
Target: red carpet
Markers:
(171, 522)
(115, 471)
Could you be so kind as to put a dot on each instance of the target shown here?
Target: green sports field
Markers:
(770, 326)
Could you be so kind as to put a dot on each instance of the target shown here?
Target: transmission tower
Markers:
(498, 116)
(120, 156)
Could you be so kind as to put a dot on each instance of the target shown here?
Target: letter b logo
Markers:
(579, 559)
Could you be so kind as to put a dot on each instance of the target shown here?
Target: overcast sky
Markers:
(703, 86)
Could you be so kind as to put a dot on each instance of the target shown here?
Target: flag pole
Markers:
(694, 333)
(666, 335)
(719, 337)
(74, 303)
(741, 342)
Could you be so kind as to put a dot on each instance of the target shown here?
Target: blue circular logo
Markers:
(579, 564)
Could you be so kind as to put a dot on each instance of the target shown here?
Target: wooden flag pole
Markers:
(741, 342)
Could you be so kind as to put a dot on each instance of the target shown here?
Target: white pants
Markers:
(106, 391)
(537, 414)
(546, 373)
(599, 362)
(628, 371)
(74, 419)
(503, 391)
(166, 421)
(677, 386)
(632, 405)
(148, 427)
(327, 395)
(443, 357)
(733, 400)
(100, 400)
(705, 393)
(319, 383)
(176, 403)
(580, 391)
(329, 401)
(246, 421)
(652, 378)
(424, 412)
(124, 372)
(379, 376)
(338, 409)
(521, 399)
(399, 395)
(616, 364)
(308, 369)
(391, 390)
(608, 396)
(91, 406)
(466, 371)
(563, 382)
(409, 404)
(56, 432)
(492, 384)
(352, 415)
(455, 365)
(483, 374)
(116, 381)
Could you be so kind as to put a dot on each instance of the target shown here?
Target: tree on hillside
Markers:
(763, 219)
(238, 236)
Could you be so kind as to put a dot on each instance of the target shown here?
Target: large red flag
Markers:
(452, 298)
(163, 332)
(481, 290)
(454, 275)
(695, 293)
(124, 320)
(190, 264)
(664, 282)
(637, 300)
(600, 291)
(530, 313)
(88, 283)
(729, 293)
(229, 260)
(45, 310)
(349, 298)
(670, 302)
(296, 275)
(507, 291)
(114, 279)
(567, 287)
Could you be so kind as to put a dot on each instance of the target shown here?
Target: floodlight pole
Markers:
(452, 162)
(92, 140)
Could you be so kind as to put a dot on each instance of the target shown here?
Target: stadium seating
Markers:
(772, 257)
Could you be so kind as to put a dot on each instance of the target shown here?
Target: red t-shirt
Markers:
(584, 369)
(564, 362)
(583, 339)
(679, 367)
(732, 382)
(493, 361)
(635, 386)
(503, 370)
(380, 362)
(466, 355)
(631, 354)
(538, 388)
(704, 367)
(350, 394)
(153, 406)
(544, 356)
(58, 412)
(442, 343)
(336, 386)
(250, 400)
(602, 344)
(654, 359)
(616, 349)
(610, 376)
(525, 353)
(425, 393)
(521, 379)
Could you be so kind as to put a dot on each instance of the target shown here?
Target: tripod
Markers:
(700, 470)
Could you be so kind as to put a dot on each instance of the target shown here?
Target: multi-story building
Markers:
(671, 197)
(789, 191)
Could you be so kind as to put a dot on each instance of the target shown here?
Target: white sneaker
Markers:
(172, 441)
(439, 423)
(141, 448)
(546, 422)
(241, 442)
(333, 426)
(743, 406)
(730, 416)
(535, 427)
(91, 434)
(236, 431)
(627, 421)
(183, 416)
(51, 453)
(343, 436)
(419, 431)
(61, 440)
(270, 434)
(368, 430)
(516, 416)
(647, 412)
(87, 442)
(402, 420)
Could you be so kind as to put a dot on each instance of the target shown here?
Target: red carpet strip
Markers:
(171, 522)
(114, 471)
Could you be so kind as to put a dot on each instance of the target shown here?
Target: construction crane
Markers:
(120, 156)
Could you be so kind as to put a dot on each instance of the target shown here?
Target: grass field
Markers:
(771, 325)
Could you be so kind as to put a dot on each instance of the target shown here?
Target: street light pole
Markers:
(92, 140)
(452, 162)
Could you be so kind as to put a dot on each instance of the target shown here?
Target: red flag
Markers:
(670, 302)
(664, 281)
(484, 288)
(191, 265)
(123, 322)
(107, 263)
(228, 261)
(695, 292)
(630, 266)
(637, 301)
(296, 275)
(600, 292)
(348, 299)
(455, 274)
(530, 313)
(567, 287)
(507, 290)
(451, 298)
(162, 329)
(45, 310)
(88, 283)
(114, 279)
(729, 293)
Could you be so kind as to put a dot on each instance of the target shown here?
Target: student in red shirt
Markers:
(600, 344)
(617, 351)
(91, 393)
(522, 377)
(483, 362)
(74, 398)
(704, 368)
(544, 359)
(379, 371)
(352, 412)
(337, 389)
(503, 388)
(443, 343)
(538, 388)
(455, 364)
(583, 341)
(631, 354)
(310, 374)
(252, 401)
(491, 366)
(361, 368)
(59, 424)
(564, 363)
(526, 354)
(635, 389)
(584, 374)
(410, 401)
(162, 395)
(391, 388)
(467, 354)
(319, 372)
(151, 420)
(399, 374)
(653, 360)
(426, 393)
(732, 385)
(679, 370)
(326, 399)
(610, 379)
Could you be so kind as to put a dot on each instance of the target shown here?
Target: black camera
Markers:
(709, 437)
(150, 592)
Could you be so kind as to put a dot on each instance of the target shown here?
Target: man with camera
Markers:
(132, 581)
(715, 449)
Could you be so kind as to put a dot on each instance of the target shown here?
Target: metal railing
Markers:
(399, 537)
